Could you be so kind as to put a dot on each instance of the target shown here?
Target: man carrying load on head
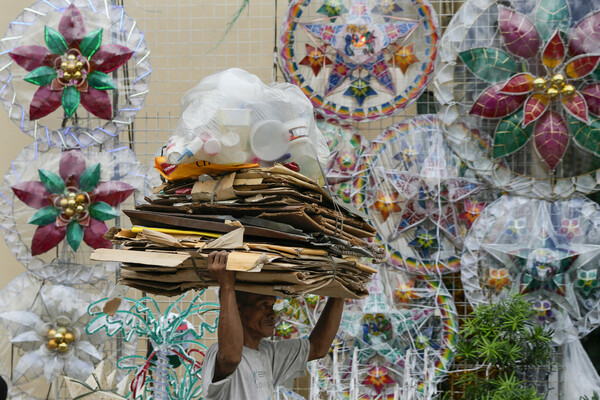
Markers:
(245, 365)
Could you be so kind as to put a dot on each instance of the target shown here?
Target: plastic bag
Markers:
(232, 117)
(580, 377)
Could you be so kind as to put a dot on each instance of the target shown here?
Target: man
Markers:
(243, 365)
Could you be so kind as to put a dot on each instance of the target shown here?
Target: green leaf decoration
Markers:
(550, 16)
(90, 43)
(100, 80)
(102, 211)
(74, 234)
(586, 136)
(55, 41)
(89, 179)
(596, 74)
(70, 100)
(491, 65)
(41, 76)
(510, 135)
(52, 182)
(45, 216)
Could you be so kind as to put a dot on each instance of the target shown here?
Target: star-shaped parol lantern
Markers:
(520, 90)
(407, 325)
(63, 62)
(418, 195)
(546, 251)
(57, 204)
(359, 59)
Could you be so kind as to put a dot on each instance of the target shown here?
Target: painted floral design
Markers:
(377, 377)
(72, 69)
(73, 203)
(544, 86)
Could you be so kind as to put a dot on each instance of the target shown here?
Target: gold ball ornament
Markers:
(79, 209)
(77, 75)
(552, 93)
(69, 212)
(63, 65)
(539, 84)
(79, 65)
(63, 203)
(71, 68)
(72, 195)
(63, 347)
(567, 90)
(62, 330)
(71, 57)
(558, 80)
(67, 76)
(51, 333)
(69, 337)
(52, 345)
(59, 337)
(80, 198)
(71, 202)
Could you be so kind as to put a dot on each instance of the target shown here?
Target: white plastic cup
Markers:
(269, 138)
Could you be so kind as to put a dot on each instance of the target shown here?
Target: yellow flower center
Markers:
(59, 339)
(72, 69)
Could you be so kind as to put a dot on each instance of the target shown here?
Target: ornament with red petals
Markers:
(52, 195)
(60, 55)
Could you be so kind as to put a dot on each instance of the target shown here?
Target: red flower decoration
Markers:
(74, 204)
(378, 376)
(72, 70)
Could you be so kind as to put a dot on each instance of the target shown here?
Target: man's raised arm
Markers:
(326, 328)
(230, 334)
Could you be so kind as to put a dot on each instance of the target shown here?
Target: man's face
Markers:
(258, 316)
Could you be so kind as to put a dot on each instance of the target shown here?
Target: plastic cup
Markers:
(269, 139)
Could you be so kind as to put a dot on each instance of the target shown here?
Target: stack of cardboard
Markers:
(273, 220)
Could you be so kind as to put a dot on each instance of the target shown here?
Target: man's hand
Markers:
(217, 262)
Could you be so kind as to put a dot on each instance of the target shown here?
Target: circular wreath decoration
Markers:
(359, 59)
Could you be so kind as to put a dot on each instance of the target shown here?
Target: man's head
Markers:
(256, 313)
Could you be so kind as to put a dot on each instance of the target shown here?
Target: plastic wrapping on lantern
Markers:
(399, 339)
(57, 205)
(232, 117)
(52, 82)
(47, 322)
(579, 374)
(418, 195)
(547, 251)
(517, 84)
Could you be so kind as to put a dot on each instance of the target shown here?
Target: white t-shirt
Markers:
(259, 371)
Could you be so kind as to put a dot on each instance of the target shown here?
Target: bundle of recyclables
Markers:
(232, 117)
(285, 234)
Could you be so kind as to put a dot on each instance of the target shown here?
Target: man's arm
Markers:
(230, 334)
(326, 328)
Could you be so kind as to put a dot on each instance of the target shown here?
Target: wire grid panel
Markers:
(188, 42)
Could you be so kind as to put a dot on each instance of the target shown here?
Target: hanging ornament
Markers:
(403, 334)
(417, 194)
(359, 59)
(65, 62)
(174, 343)
(45, 324)
(49, 195)
(346, 146)
(519, 92)
(546, 251)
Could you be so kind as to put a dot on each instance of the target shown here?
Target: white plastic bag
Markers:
(579, 376)
(233, 117)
